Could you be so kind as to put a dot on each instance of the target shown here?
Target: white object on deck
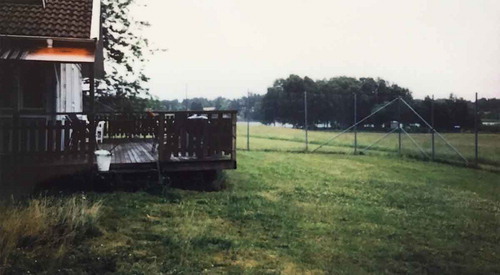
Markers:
(99, 132)
(103, 160)
(195, 116)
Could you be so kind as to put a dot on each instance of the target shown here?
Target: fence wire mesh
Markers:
(270, 138)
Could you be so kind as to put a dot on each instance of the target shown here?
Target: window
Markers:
(7, 87)
(29, 82)
(34, 85)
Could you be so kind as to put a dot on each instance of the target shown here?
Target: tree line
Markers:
(331, 105)
(247, 107)
(330, 101)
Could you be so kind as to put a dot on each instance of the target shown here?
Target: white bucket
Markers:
(103, 160)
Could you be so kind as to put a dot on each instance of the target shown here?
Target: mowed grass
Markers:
(293, 213)
(266, 138)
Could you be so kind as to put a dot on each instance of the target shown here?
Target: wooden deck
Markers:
(140, 151)
(187, 141)
(137, 154)
(131, 152)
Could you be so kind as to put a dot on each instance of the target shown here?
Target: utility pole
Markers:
(432, 130)
(355, 126)
(248, 120)
(186, 91)
(305, 118)
(476, 148)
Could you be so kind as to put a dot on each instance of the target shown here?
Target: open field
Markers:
(286, 139)
(295, 213)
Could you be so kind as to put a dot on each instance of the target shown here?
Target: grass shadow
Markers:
(207, 181)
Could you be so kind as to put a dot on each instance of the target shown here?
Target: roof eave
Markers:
(55, 38)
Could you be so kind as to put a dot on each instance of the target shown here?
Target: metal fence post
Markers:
(355, 123)
(248, 121)
(432, 130)
(305, 119)
(476, 148)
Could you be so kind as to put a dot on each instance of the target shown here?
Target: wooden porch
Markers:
(171, 141)
(138, 154)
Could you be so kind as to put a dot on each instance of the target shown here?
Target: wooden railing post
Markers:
(161, 137)
(91, 117)
(16, 133)
(234, 117)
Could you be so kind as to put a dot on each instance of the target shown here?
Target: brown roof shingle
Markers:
(59, 18)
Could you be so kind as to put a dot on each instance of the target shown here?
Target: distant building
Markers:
(394, 124)
(490, 122)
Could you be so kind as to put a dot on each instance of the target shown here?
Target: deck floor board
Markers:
(137, 155)
(134, 152)
(131, 152)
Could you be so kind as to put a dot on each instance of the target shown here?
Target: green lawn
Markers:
(298, 213)
(266, 138)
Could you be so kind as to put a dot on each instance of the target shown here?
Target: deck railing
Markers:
(183, 135)
(43, 139)
(199, 135)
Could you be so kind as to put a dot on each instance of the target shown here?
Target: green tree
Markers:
(196, 106)
(330, 101)
(125, 50)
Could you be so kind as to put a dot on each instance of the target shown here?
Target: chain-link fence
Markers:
(419, 141)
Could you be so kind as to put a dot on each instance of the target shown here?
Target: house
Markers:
(56, 39)
(46, 48)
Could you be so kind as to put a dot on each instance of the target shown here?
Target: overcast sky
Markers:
(226, 47)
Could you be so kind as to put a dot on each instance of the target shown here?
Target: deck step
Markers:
(128, 171)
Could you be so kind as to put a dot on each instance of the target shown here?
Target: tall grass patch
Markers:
(44, 228)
